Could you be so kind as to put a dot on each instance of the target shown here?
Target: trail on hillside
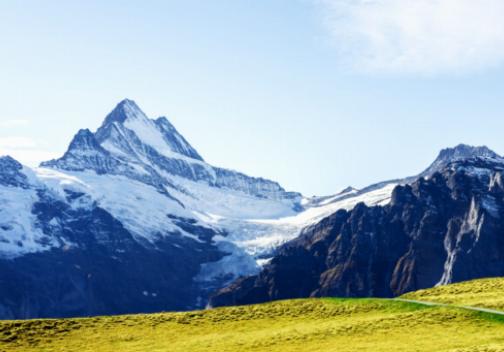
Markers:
(435, 304)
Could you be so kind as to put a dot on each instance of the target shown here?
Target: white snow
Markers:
(254, 226)
(259, 236)
(141, 208)
(379, 196)
(340, 195)
(259, 225)
(226, 203)
(147, 131)
(18, 231)
(236, 263)
(150, 134)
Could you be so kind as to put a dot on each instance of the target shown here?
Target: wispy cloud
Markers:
(417, 36)
(17, 143)
(24, 149)
(14, 123)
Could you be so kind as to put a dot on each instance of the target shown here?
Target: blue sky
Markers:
(316, 94)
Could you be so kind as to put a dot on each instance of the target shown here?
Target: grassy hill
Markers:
(485, 293)
(294, 325)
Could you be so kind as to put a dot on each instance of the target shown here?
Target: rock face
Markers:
(446, 228)
(65, 255)
(10, 173)
(460, 153)
(100, 268)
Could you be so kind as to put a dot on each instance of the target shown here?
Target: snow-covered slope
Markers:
(19, 233)
(141, 208)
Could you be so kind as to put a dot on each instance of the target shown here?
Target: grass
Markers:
(294, 325)
(485, 293)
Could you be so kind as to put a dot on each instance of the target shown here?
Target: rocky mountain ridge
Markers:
(437, 230)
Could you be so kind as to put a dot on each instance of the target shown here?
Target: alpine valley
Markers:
(132, 219)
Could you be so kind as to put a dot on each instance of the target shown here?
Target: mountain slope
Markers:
(446, 228)
(64, 253)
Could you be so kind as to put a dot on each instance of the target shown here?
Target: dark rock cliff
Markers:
(446, 228)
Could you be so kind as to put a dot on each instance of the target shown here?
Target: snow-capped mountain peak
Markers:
(125, 110)
(11, 173)
(175, 140)
(84, 140)
(459, 153)
(127, 128)
(84, 153)
(130, 144)
(464, 151)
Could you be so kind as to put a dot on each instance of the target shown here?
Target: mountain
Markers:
(130, 219)
(460, 153)
(152, 151)
(133, 219)
(446, 226)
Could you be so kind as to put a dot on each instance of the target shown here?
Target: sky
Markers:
(315, 94)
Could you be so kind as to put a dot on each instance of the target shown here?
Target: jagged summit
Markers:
(459, 153)
(128, 135)
(127, 126)
(176, 141)
(130, 144)
(124, 110)
(464, 151)
(348, 189)
(84, 140)
(11, 172)
(9, 160)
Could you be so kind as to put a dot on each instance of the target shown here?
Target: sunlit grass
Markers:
(485, 293)
(294, 325)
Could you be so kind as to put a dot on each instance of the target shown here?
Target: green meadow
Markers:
(483, 293)
(292, 325)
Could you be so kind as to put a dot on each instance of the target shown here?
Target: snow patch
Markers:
(141, 208)
(19, 234)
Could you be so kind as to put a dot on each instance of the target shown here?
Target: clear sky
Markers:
(316, 94)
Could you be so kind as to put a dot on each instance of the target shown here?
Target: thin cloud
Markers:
(14, 123)
(25, 150)
(417, 36)
(17, 143)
